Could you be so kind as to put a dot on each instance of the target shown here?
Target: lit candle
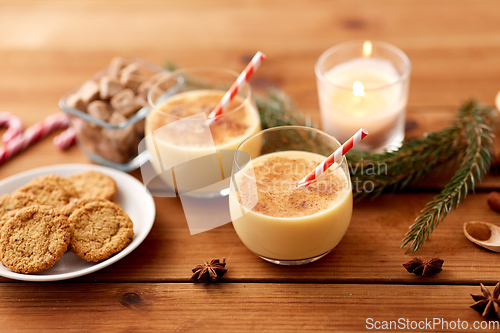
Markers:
(365, 91)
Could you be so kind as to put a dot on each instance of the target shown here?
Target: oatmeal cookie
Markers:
(51, 190)
(101, 229)
(12, 202)
(34, 239)
(93, 185)
(74, 204)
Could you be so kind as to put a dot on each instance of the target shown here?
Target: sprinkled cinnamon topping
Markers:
(276, 193)
(230, 126)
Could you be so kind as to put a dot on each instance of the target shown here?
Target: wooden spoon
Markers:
(483, 234)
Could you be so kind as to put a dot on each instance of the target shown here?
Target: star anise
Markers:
(209, 272)
(417, 266)
(487, 303)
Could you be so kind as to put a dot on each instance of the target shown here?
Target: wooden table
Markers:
(49, 47)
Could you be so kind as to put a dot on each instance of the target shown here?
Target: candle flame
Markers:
(358, 89)
(367, 49)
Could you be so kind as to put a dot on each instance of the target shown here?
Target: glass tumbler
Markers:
(193, 154)
(277, 220)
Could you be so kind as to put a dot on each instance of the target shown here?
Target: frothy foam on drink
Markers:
(277, 194)
(234, 123)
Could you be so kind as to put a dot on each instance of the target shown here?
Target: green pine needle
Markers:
(475, 124)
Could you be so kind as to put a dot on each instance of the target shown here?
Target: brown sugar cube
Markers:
(125, 102)
(120, 138)
(99, 109)
(107, 150)
(132, 81)
(133, 68)
(88, 135)
(89, 92)
(75, 101)
(117, 118)
(109, 86)
(140, 101)
(139, 128)
(116, 65)
(146, 85)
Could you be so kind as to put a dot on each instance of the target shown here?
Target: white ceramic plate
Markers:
(131, 195)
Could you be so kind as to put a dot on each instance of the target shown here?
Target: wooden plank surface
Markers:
(125, 307)
(49, 47)
(453, 45)
(369, 253)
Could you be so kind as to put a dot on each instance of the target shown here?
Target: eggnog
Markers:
(181, 132)
(281, 222)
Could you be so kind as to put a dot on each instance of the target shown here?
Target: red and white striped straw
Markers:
(336, 156)
(252, 66)
(32, 135)
(66, 139)
(14, 124)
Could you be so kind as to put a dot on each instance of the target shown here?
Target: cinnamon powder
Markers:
(479, 231)
(277, 194)
(232, 125)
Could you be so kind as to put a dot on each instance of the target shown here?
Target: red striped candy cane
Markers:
(66, 139)
(32, 135)
(14, 124)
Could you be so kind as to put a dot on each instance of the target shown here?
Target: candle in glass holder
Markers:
(364, 85)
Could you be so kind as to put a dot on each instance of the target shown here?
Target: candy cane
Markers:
(66, 139)
(32, 135)
(14, 124)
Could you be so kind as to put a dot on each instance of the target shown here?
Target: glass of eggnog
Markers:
(191, 153)
(277, 220)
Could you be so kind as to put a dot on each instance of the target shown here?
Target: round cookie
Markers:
(51, 190)
(101, 229)
(74, 204)
(34, 239)
(93, 185)
(6, 217)
(65, 184)
(12, 202)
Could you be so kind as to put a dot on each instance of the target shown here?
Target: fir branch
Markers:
(276, 109)
(475, 164)
(414, 160)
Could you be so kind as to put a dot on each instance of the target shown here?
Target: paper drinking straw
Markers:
(14, 124)
(32, 135)
(237, 85)
(336, 156)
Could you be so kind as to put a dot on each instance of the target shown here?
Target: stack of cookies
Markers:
(50, 214)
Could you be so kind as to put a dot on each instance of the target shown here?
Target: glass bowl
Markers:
(114, 141)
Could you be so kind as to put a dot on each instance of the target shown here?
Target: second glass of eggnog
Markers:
(192, 153)
(277, 220)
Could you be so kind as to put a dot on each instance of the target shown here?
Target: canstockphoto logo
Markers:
(199, 175)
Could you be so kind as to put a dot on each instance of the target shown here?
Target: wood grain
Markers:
(50, 47)
(125, 307)
(369, 253)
